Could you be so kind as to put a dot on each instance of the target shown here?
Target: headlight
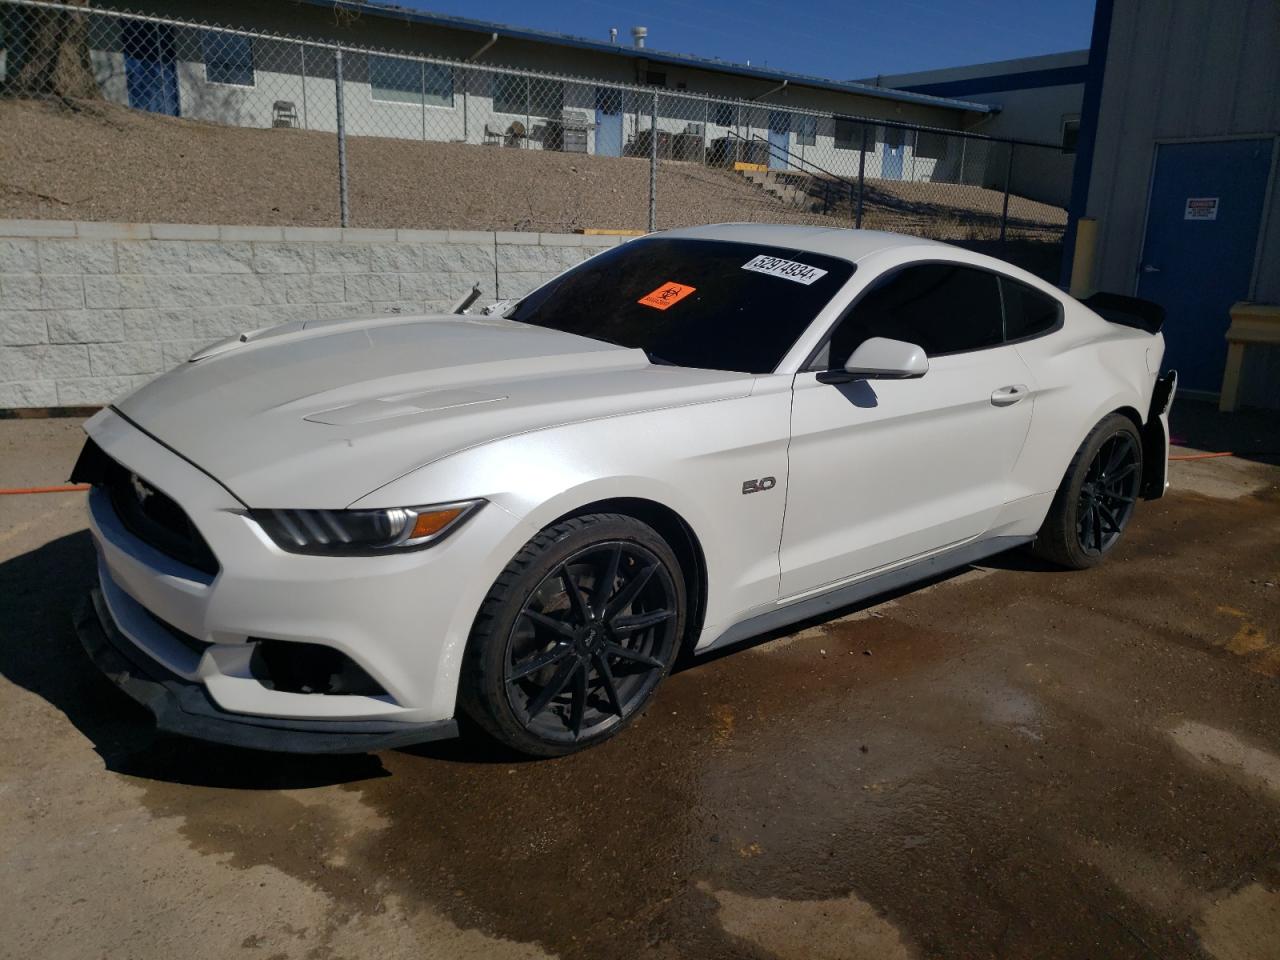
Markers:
(354, 532)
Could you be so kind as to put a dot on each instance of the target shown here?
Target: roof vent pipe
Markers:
(613, 34)
(638, 34)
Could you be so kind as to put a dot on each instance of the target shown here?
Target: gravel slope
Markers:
(105, 162)
(100, 161)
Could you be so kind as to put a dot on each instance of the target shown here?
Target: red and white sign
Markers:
(1201, 208)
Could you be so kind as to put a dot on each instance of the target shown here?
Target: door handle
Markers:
(1148, 268)
(1008, 396)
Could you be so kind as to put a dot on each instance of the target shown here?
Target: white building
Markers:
(1036, 99)
(416, 75)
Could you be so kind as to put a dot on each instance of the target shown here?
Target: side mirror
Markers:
(880, 358)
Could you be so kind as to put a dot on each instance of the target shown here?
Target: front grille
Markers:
(146, 512)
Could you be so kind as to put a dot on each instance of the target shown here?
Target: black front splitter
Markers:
(185, 708)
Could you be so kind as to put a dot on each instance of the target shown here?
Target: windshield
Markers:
(692, 303)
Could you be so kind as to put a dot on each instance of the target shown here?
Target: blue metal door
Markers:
(1197, 257)
(779, 139)
(150, 66)
(891, 162)
(608, 122)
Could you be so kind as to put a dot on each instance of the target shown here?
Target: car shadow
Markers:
(1017, 559)
(860, 393)
(39, 592)
(39, 652)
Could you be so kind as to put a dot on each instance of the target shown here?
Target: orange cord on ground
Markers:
(1203, 456)
(73, 488)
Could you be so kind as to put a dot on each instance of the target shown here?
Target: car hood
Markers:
(317, 415)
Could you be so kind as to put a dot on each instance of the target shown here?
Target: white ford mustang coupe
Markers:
(340, 536)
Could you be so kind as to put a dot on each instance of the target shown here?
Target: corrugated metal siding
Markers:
(1180, 69)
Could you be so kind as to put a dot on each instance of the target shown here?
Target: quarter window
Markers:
(1027, 312)
(942, 307)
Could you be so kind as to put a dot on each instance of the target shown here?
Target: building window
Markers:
(537, 96)
(848, 134)
(437, 84)
(609, 100)
(655, 78)
(228, 58)
(394, 79)
(406, 81)
(1070, 134)
(806, 131)
(723, 115)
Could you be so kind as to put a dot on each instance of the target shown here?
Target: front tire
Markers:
(575, 635)
(1095, 501)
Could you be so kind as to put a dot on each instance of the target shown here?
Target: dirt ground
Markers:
(102, 161)
(1011, 762)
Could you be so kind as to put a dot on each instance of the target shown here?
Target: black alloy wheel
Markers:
(575, 635)
(1096, 499)
(591, 642)
(1108, 493)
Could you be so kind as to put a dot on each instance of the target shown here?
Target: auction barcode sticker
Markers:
(787, 269)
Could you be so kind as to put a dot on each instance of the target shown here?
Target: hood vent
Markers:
(387, 408)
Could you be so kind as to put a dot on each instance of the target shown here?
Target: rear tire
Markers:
(574, 636)
(1095, 501)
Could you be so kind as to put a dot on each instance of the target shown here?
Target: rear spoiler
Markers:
(1127, 311)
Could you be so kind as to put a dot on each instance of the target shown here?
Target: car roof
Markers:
(836, 242)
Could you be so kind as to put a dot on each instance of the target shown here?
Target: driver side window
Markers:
(942, 307)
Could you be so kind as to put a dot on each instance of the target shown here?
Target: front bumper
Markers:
(184, 707)
(403, 619)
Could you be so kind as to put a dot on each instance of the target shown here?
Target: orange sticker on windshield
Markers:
(666, 295)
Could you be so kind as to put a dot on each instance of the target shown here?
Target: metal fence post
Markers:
(737, 129)
(862, 167)
(343, 206)
(706, 129)
(653, 165)
(1004, 213)
(302, 58)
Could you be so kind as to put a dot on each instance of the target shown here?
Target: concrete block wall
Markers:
(90, 311)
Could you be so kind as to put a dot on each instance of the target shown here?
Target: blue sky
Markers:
(840, 40)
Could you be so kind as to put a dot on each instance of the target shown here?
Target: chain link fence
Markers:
(350, 135)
